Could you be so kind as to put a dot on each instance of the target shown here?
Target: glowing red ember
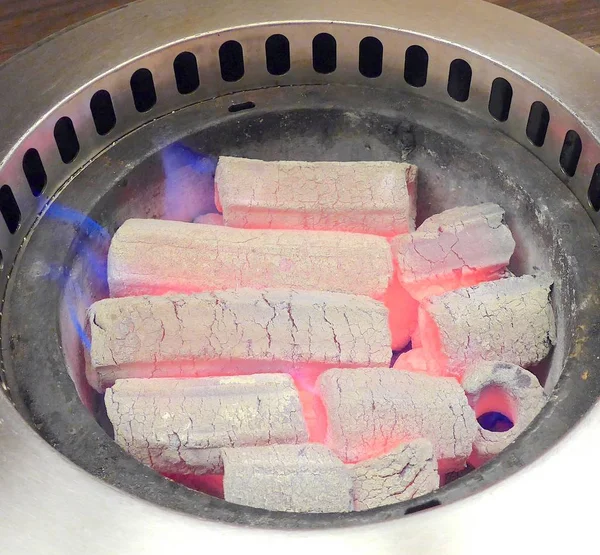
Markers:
(151, 257)
(415, 360)
(457, 248)
(211, 484)
(510, 319)
(506, 389)
(372, 410)
(292, 301)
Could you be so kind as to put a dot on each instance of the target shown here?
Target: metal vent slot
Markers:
(422, 506)
(500, 99)
(34, 171)
(103, 112)
(324, 48)
(241, 107)
(231, 57)
(594, 189)
(185, 67)
(370, 57)
(9, 209)
(66, 139)
(416, 61)
(277, 51)
(570, 153)
(459, 80)
(143, 90)
(537, 124)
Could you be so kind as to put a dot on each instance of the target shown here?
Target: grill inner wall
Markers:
(463, 160)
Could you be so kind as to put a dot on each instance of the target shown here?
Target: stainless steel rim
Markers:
(103, 54)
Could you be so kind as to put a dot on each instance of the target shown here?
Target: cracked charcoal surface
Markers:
(293, 478)
(156, 257)
(407, 472)
(457, 248)
(371, 410)
(526, 396)
(464, 216)
(235, 332)
(366, 197)
(181, 426)
(510, 319)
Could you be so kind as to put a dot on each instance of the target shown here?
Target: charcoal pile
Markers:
(308, 348)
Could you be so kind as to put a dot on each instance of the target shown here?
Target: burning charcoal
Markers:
(363, 197)
(403, 314)
(150, 257)
(210, 218)
(234, 332)
(458, 248)
(415, 339)
(414, 360)
(410, 470)
(507, 389)
(181, 426)
(464, 216)
(510, 319)
(294, 478)
(372, 410)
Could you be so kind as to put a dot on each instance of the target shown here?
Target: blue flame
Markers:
(188, 192)
(90, 227)
(90, 248)
(176, 156)
(79, 327)
(495, 422)
(188, 187)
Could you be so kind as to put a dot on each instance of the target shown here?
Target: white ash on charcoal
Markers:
(363, 197)
(154, 257)
(294, 296)
(406, 472)
(510, 319)
(181, 426)
(234, 332)
(462, 217)
(148, 257)
(211, 219)
(502, 388)
(294, 478)
(458, 248)
(372, 410)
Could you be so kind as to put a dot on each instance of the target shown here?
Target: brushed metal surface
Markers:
(51, 507)
(66, 71)
(48, 505)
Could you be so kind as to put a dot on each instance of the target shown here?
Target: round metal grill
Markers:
(83, 111)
